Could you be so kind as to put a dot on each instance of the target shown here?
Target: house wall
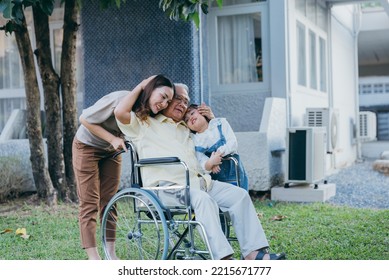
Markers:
(139, 40)
(374, 35)
(243, 108)
(342, 86)
(344, 77)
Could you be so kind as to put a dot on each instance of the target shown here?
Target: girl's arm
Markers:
(100, 132)
(214, 161)
(231, 145)
(123, 109)
(202, 159)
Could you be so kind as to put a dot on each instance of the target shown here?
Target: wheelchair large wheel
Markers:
(134, 227)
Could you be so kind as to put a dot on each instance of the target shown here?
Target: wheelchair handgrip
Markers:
(160, 160)
(121, 151)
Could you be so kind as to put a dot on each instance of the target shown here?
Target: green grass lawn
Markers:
(316, 231)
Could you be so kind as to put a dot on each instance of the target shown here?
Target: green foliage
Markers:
(6, 8)
(186, 9)
(375, 4)
(13, 11)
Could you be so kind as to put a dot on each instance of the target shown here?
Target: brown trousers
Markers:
(98, 177)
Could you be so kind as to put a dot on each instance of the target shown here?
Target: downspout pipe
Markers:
(330, 74)
(357, 18)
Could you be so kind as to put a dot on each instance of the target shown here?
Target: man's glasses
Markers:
(180, 99)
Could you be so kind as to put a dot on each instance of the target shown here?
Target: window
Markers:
(323, 64)
(302, 71)
(56, 43)
(11, 79)
(238, 49)
(57, 34)
(235, 2)
(12, 92)
(379, 88)
(373, 85)
(365, 89)
(11, 72)
(237, 54)
(311, 45)
(313, 10)
(312, 60)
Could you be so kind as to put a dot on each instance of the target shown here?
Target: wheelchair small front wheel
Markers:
(134, 227)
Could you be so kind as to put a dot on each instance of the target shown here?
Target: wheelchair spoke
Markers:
(132, 222)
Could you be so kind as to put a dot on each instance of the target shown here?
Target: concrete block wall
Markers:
(19, 150)
(262, 152)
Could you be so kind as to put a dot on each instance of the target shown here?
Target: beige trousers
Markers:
(237, 202)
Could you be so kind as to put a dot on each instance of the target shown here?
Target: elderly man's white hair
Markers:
(183, 86)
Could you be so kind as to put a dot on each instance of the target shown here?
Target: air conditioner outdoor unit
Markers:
(367, 126)
(324, 117)
(306, 155)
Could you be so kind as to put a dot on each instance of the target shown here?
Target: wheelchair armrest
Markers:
(230, 157)
(227, 156)
(161, 160)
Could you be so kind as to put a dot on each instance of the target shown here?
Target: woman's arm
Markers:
(123, 109)
(100, 132)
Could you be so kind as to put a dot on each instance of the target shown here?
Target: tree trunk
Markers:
(40, 173)
(51, 84)
(69, 89)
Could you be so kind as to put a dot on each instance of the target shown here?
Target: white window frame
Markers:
(13, 92)
(251, 8)
(55, 25)
(311, 28)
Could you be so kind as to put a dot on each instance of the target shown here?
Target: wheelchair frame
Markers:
(141, 227)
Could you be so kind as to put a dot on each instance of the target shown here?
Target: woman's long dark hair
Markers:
(141, 106)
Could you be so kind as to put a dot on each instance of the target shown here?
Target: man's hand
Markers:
(206, 111)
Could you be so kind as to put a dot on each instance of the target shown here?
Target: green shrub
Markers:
(12, 178)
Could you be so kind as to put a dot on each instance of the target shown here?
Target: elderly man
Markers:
(167, 135)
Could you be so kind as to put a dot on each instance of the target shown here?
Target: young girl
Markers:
(213, 140)
(97, 140)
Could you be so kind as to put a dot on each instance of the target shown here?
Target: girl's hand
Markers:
(216, 158)
(216, 169)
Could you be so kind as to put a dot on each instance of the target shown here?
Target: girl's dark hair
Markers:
(195, 106)
(141, 106)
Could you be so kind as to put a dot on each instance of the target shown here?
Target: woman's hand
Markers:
(123, 109)
(144, 83)
(118, 143)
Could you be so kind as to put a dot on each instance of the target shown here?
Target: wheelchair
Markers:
(151, 223)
